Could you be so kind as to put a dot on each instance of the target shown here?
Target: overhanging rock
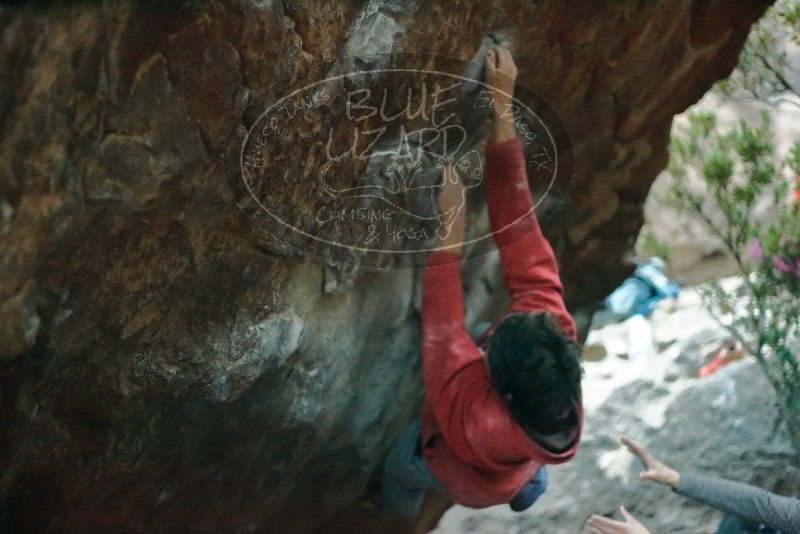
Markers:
(168, 366)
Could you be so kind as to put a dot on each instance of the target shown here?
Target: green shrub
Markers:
(721, 179)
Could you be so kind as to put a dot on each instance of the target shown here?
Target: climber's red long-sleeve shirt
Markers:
(478, 453)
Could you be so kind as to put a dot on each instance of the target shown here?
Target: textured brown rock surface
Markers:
(164, 367)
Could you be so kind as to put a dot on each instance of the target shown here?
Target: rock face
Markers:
(165, 366)
(697, 256)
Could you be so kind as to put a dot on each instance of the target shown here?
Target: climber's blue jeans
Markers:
(406, 476)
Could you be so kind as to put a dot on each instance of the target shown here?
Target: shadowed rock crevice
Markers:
(165, 364)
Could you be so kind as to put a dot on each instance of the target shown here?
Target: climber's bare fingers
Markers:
(636, 448)
(604, 525)
(491, 61)
(506, 62)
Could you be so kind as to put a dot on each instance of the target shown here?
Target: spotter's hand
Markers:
(655, 469)
(602, 525)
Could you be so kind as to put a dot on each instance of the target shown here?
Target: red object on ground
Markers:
(479, 454)
(723, 356)
(712, 366)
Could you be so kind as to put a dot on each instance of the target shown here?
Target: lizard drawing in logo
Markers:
(409, 172)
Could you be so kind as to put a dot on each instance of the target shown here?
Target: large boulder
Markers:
(168, 366)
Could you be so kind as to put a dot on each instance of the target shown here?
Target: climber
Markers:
(497, 409)
(748, 510)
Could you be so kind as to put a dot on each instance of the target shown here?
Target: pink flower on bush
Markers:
(781, 264)
(755, 252)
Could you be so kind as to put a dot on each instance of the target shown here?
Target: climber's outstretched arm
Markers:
(452, 208)
(442, 300)
(447, 348)
(529, 264)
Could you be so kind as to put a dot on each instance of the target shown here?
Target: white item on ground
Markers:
(640, 338)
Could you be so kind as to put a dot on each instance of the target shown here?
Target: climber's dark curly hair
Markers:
(536, 367)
